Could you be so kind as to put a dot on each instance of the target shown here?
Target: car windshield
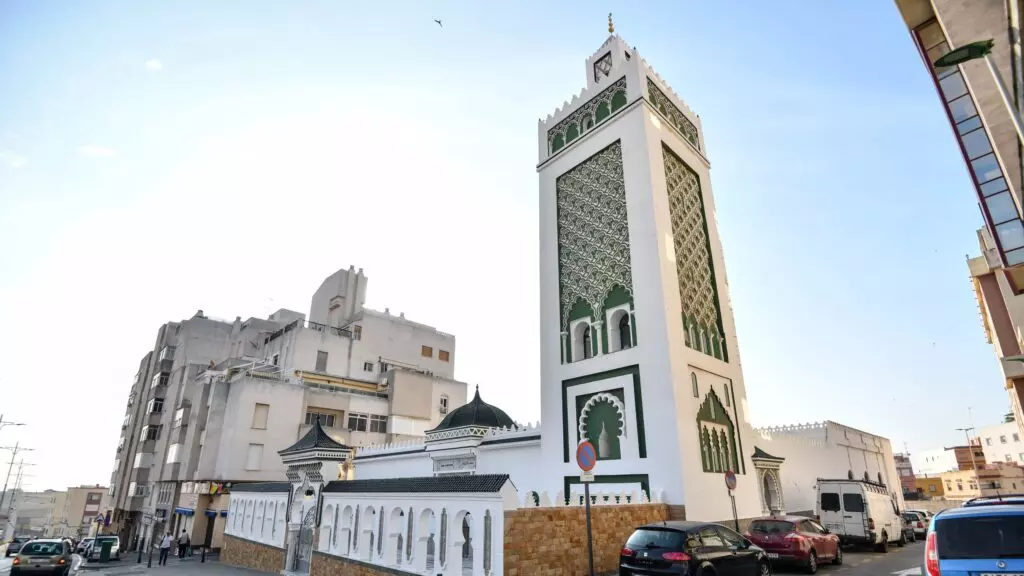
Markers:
(42, 549)
(910, 517)
(771, 526)
(102, 539)
(654, 538)
(981, 537)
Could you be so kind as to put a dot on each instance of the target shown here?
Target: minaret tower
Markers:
(638, 345)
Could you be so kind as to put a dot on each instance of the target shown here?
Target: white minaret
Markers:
(637, 334)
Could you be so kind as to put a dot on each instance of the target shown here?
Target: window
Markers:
(357, 332)
(273, 359)
(693, 384)
(321, 361)
(1008, 458)
(989, 536)
(150, 433)
(426, 351)
(368, 366)
(357, 422)
(443, 356)
(254, 458)
(1002, 439)
(160, 379)
(326, 420)
(155, 406)
(174, 454)
(853, 503)
(988, 441)
(588, 349)
(830, 501)
(378, 423)
(259, 416)
(1016, 437)
(179, 417)
(625, 333)
(443, 408)
(93, 497)
(931, 487)
(728, 400)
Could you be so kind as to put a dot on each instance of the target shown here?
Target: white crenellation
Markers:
(389, 447)
(675, 98)
(528, 429)
(598, 497)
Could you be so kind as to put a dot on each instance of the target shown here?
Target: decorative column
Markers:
(564, 341)
(476, 531)
(599, 328)
(453, 554)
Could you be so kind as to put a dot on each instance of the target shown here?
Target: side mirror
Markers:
(827, 531)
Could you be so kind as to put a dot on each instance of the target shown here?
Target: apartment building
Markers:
(992, 480)
(982, 126)
(28, 512)
(82, 505)
(1003, 443)
(218, 413)
(939, 460)
(905, 469)
(55, 514)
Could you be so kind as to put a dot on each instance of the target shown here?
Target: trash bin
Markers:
(105, 547)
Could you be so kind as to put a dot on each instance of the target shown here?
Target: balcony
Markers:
(167, 353)
(160, 379)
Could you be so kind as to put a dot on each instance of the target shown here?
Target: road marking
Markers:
(915, 571)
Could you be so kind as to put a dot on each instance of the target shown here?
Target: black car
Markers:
(689, 549)
(15, 544)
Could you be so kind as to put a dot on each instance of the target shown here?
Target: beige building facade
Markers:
(82, 505)
(992, 480)
(983, 128)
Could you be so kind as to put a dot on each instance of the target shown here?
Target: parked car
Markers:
(96, 546)
(15, 544)
(82, 545)
(795, 540)
(43, 556)
(860, 512)
(971, 540)
(691, 548)
(927, 513)
(919, 522)
(908, 528)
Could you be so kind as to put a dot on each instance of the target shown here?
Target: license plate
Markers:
(773, 555)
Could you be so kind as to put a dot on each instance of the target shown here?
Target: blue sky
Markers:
(158, 158)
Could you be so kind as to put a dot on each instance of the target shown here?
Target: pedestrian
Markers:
(182, 544)
(165, 549)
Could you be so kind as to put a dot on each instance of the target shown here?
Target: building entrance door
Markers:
(304, 548)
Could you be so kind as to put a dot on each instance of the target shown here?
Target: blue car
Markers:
(977, 539)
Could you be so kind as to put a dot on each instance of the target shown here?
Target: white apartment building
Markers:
(934, 462)
(1003, 443)
(370, 376)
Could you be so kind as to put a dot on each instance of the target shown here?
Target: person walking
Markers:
(182, 544)
(165, 549)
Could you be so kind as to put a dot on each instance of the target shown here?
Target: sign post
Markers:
(586, 458)
(730, 483)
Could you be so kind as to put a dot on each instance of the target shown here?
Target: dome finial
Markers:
(611, 25)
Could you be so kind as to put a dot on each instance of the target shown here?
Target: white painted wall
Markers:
(827, 450)
(1003, 443)
(258, 516)
(934, 462)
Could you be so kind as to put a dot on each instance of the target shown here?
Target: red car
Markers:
(797, 540)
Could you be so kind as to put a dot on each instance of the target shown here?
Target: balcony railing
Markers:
(336, 330)
(160, 379)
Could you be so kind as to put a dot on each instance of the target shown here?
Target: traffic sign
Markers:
(730, 480)
(586, 456)
(587, 477)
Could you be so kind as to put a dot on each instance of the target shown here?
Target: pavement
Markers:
(906, 561)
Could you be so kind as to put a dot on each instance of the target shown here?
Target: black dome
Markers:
(476, 413)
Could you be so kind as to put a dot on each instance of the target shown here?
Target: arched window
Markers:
(625, 333)
(728, 401)
(693, 383)
(588, 349)
(880, 479)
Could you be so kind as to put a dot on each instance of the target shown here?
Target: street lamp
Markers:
(983, 50)
(970, 447)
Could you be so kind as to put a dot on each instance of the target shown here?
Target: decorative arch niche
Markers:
(602, 421)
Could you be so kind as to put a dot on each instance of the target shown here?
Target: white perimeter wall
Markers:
(258, 516)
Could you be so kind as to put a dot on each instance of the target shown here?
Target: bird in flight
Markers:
(438, 22)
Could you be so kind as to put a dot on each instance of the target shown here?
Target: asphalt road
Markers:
(906, 561)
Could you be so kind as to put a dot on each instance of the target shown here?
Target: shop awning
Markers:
(224, 513)
(184, 511)
(210, 513)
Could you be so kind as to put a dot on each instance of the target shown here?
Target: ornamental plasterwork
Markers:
(698, 294)
(593, 233)
(603, 397)
(463, 432)
(454, 464)
(585, 117)
(675, 116)
(603, 67)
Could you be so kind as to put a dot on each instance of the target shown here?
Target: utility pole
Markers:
(17, 484)
(14, 454)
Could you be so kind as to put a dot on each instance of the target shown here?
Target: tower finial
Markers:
(611, 25)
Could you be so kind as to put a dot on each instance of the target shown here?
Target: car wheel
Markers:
(883, 546)
(839, 556)
(812, 563)
(903, 540)
(765, 569)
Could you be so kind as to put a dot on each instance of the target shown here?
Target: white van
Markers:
(860, 512)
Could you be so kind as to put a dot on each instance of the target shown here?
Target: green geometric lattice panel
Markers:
(593, 233)
(698, 292)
